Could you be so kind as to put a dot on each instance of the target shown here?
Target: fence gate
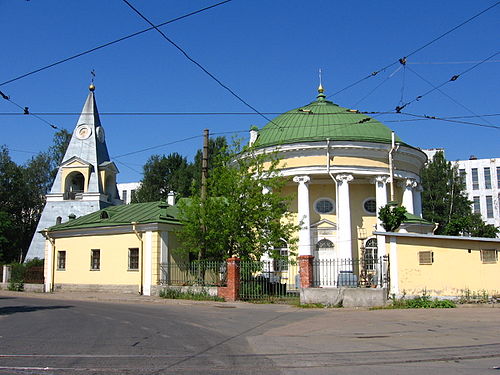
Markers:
(269, 280)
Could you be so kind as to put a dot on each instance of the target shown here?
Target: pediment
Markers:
(75, 161)
(324, 224)
(110, 166)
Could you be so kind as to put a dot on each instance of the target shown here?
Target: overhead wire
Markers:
(26, 110)
(452, 79)
(416, 50)
(113, 42)
(448, 96)
(232, 92)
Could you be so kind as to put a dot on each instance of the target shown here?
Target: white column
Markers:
(344, 216)
(380, 196)
(148, 265)
(417, 200)
(164, 276)
(49, 266)
(303, 215)
(408, 185)
(393, 267)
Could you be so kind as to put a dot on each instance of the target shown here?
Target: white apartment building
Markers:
(482, 178)
(127, 190)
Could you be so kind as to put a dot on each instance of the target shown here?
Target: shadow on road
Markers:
(9, 310)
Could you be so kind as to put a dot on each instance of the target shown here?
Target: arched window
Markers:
(281, 249)
(371, 254)
(73, 185)
(324, 244)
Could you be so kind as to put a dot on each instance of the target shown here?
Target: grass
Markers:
(421, 302)
(190, 295)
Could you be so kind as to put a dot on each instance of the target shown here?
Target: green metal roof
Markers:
(410, 218)
(320, 120)
(140, 213)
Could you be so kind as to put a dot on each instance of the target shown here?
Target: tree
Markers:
(391, 216)
(244, 212)
(445, 202)
(163, 174)
(22, 195)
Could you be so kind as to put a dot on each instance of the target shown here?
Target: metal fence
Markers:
(368, 272)
(204, 273)
(270, 279)
(34, 275)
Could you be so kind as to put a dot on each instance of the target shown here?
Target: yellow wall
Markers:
(358, 161)
(454, 270)
(113, 264)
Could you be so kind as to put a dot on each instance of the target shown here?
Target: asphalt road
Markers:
(61, 335)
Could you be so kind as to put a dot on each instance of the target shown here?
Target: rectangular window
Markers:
(487, 178)
(133, 259)
(132, 195)
(475, 179)
(489, 256)
(425, 257)
(498, 177)
(95, 260)
(489, 206)
(461, 173)
(477, 205)
(61, 260)
(124, 196)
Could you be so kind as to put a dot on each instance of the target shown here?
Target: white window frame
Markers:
(332, 212)
(365, 210)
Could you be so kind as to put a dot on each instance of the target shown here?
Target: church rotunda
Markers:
(343, 166)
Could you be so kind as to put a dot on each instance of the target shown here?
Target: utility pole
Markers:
(204, 175)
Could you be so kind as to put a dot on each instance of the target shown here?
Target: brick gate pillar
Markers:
(306, 271)
(231, 292)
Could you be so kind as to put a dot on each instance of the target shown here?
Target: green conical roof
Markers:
(320, 120)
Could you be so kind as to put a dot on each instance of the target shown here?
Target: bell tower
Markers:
(86, 179)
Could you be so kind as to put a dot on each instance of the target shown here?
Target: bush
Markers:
(17, 271)
(190, 294)
(421, 302)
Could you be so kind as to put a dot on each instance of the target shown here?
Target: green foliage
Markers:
(237, 218)
(163, 174)
(421, 302)
(392, 216)
(191, 294)
(469, 296)
(17, 271)
(22, 196)
(217, 150)
(445, 202)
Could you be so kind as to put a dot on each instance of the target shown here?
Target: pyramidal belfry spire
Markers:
(86, 179)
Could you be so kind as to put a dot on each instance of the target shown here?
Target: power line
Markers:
(448, 96)
(26, 110)
(416, 50)
(450, 62)
(197, 63)
(452, 79)
(157, 146)
(113, 42)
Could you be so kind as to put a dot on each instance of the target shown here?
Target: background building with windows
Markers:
(482, 179)
(127, 190)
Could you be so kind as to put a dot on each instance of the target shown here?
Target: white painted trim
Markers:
(393, 261)
(49, 266)
(365, 210)
(148, 263)
(434, 236)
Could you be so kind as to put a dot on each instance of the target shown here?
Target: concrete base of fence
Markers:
(346, 297)
(210, 290)
(34, 288)
(129, 289)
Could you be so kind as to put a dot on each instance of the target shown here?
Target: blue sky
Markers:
(268, 52)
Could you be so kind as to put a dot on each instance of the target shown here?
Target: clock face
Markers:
(100, 134)
(83, 132)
